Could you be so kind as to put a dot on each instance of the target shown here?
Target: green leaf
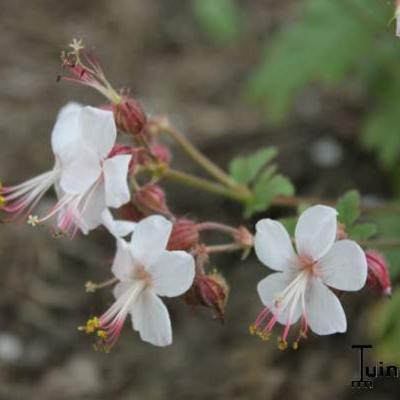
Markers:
(265, 189)
(327, 43)
(220, 19)
(381, 130)
(245, 169)
(362, 231)
(348, 208)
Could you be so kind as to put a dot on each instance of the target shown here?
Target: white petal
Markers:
(270, 288)
(172, 273)
(80, 168)
(98, 130)
(117, 228)
(325, 314)
(94, 206)
(151, 319)
(273, 246)
(120, 288)
(316, 231)
(123, 266)
(66, 131)
(398, 26)
(344, 267)
(150, 238)
(116, 180)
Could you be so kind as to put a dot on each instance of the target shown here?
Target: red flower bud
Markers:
(184, 235)
(162, 153)
(378, 273)
(151, 199)
(210, 291)
(129, 116)
(130, 212)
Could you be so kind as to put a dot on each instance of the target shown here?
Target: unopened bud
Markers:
(130, 212)
(210, 291)
(129, 116)
(378, 273)
(184, 235)
(162, 153)
(151, 199)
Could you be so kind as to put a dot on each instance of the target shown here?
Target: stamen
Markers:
(33, 220)
(282, 343)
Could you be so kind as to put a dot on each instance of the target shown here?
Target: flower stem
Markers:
(204, 184)
(209, 166)
(216, 226)
(223, 248)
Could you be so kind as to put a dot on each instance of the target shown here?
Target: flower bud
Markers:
(378, 273)
(130, 212)
(210, 291)
(162, 153)
(184, 235)
(151, 199)
(129, 116)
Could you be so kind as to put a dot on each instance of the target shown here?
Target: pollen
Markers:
(282, 344)
(33, 220)
(102, 334)
(252, 329)
(91, 326)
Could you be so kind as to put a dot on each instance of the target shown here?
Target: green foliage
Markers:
(255, 170)
(245, 169)
(389, 227)
(265, 190)
(348, 207)
(381, 132)
(220, 19)
(330, 41)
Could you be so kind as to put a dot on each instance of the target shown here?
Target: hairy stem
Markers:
(204, 184)
(209, 166)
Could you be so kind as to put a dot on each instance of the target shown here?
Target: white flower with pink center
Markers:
(85, 179)
(145, 270)
(299, 291)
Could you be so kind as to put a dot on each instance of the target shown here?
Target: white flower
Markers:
(118, 228)
(299, 290)
(145, 270)
(86, 181)
(22, 198)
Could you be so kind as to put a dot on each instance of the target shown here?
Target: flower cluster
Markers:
(160, 253)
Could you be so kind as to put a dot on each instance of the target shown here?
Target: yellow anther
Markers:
(252, 329)
(91, 325)
(102, 334)
(263, 335)
(282, 344)
(33, 220)
(2, 201)
(295, 345)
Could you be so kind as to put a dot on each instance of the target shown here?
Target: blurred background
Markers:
(316, 78)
